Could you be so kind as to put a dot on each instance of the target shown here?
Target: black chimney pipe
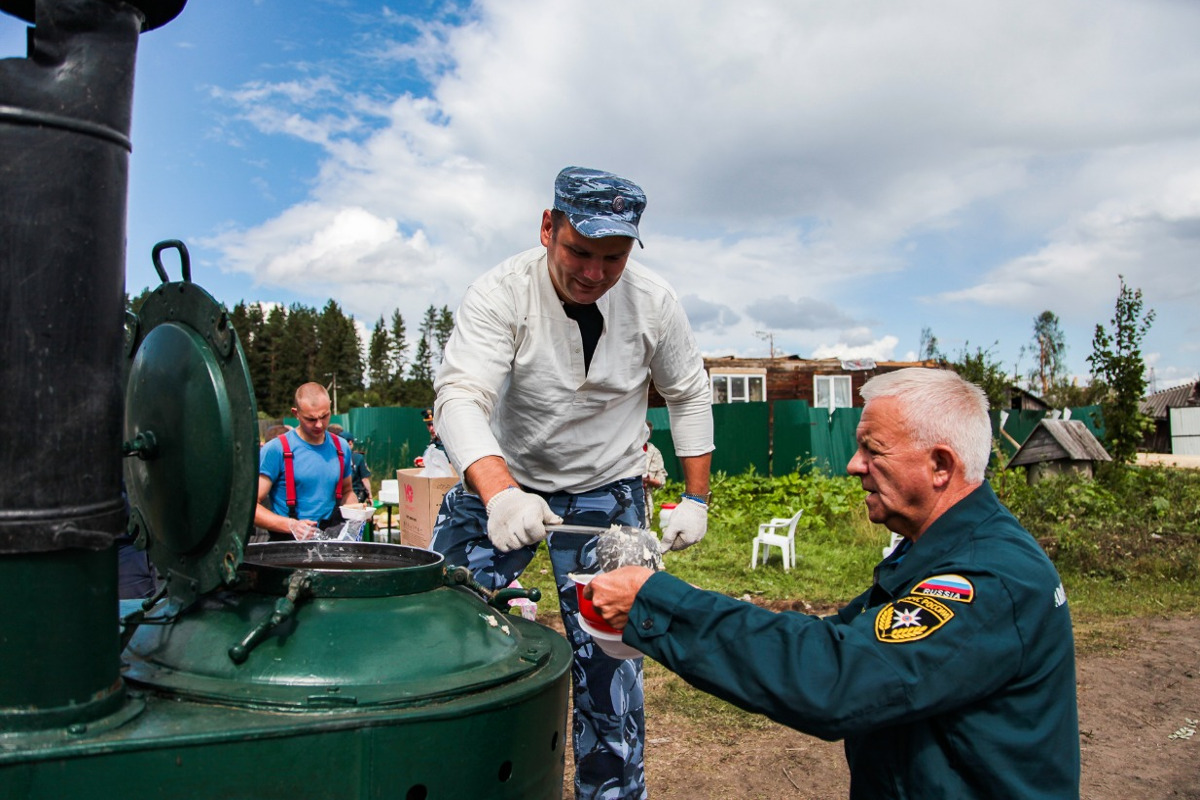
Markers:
(65, 114)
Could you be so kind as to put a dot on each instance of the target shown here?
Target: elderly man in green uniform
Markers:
(953, 676)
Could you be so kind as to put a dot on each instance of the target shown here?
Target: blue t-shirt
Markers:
(316, 471)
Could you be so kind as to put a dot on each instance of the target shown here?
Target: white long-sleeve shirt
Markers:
(513, 384)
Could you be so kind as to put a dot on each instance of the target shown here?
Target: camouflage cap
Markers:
(599, 204)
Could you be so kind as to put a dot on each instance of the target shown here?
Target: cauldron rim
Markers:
(336, 569)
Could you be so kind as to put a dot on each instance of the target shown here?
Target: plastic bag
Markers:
(436, 464)
(349, 531)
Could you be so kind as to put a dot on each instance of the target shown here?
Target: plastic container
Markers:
(607, 637)
(610, 643)
(358, 513)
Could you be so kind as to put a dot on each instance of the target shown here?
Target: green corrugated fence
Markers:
(797, 438)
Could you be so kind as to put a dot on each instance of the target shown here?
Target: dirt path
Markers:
(1131, 701)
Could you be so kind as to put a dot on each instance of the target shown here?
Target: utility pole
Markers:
(769, 337)
(334, 390)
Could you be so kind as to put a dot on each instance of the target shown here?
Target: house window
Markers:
(739, 388)
(832, 391)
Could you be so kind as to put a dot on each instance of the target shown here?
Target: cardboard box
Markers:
(420, 498)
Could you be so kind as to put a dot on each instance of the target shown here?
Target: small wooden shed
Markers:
(1056, 447)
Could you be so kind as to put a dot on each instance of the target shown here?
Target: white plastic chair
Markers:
(771, 534)
(896, 540)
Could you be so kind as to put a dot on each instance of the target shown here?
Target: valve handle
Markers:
(285, 607)
(497, 599)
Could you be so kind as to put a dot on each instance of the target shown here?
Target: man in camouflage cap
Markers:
(541, 402)
(434, 439)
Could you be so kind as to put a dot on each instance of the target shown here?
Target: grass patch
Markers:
(1128, 547)
(1125, 549)
(667, 693)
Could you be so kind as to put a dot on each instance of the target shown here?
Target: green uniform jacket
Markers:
(953, 676)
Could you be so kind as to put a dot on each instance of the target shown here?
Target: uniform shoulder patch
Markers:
(911, 618)
(947, 587)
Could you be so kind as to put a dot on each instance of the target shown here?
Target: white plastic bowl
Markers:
(357, 513)
(610, 643)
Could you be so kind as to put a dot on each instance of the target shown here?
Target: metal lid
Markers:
(191, 435)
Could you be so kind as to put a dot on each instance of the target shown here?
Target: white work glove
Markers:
(517, 519)
(688, 524)
(302, 529)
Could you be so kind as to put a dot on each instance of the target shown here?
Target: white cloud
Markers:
(794, 156)
(348, 245)
(882, 350)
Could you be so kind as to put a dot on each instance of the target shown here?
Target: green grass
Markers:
(1125, 547)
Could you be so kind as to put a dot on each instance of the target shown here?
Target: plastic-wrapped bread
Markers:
(623, 546)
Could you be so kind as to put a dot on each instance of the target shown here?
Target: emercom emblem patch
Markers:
(911, 618)
(947, 587)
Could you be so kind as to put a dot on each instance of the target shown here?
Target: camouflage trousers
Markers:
(609, 729)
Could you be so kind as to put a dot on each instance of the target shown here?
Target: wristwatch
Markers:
(699, 498)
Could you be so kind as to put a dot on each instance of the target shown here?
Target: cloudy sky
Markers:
(827, 178)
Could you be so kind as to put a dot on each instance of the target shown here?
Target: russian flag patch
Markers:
(946, 587)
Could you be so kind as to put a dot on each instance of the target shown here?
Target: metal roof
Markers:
(1156, 405)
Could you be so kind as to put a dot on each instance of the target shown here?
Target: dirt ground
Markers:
(1136, 706)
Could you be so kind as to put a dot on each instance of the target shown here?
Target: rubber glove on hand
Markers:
(302, 529)
(688, 524)
(517, 519)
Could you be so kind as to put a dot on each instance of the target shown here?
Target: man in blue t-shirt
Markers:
(320, 469)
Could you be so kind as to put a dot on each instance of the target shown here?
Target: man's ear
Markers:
(547, 230)
(944, 462)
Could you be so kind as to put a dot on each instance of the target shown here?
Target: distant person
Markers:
(953, 675)
(297, 503)
(541, 400)
(434, 439)
(655, 475)
(360, 473)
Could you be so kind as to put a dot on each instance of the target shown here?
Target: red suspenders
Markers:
(289, 473)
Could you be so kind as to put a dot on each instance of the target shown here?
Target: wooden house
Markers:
(1181, 403)
(1058, 446)
(822, 382)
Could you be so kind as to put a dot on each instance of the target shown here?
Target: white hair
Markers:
(940, 408)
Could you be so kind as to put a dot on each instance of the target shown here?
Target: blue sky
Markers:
(831, 177)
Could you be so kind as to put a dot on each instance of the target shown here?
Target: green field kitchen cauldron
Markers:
(277, 670)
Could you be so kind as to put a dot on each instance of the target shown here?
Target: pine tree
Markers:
(379, 365)
(442, 330)
(271, 341)
(295, 358)
(398, 352)
(248, 321)
(338, 359)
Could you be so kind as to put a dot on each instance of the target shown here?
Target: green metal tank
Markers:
(292, 670)
(286, 669)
